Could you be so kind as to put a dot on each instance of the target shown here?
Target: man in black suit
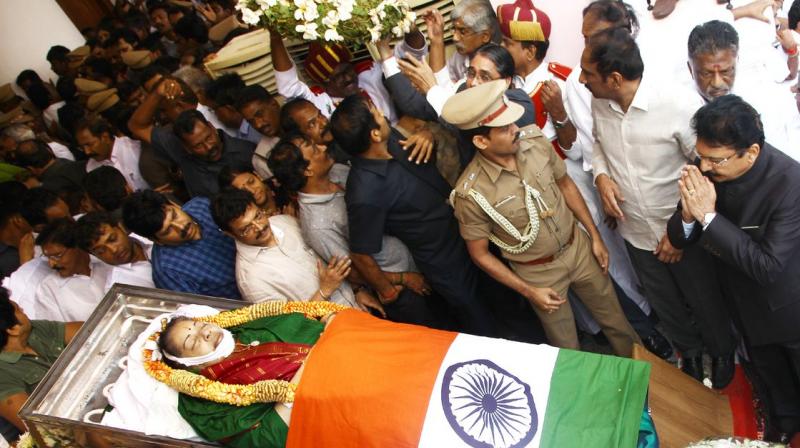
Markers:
(742, 204)
(388, 194)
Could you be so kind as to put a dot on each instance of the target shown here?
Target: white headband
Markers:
(223, 350)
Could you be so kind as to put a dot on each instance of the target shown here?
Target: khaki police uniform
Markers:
(560, 257)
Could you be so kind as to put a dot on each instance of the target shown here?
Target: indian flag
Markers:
(373, 383)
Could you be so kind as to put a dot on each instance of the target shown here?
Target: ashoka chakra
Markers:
(488, 406)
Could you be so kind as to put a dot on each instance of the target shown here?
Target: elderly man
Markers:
(741, 203)
(190, 253)
(642, 139)
(517, 195)
(713, 55)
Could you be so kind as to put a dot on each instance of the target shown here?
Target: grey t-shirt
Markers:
(323, 220)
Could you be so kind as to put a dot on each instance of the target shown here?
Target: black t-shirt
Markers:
(9, 260)
(399, 198)
(200, 176)
(64, 175)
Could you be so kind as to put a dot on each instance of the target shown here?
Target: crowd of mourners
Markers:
(649, 195)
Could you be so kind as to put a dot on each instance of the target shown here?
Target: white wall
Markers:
(28, 28)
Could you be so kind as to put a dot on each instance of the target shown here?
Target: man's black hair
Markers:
(467, 135)
(143, 212)
(61, 231)
(11, 194)
(106, 186)
(96, 126)
(186, 121)
(288, 125)
(228, 205)
(101, 67)
(8, 317)
(39, 95)
(69, 115)
(227, 174)
(615, 12)
(89, 226)
(192, 27)
(65, 86)
(351, 124)
(614, 50)
(712, 37)
(729, 121)
(34, 204)
(40, 156)
(794, 15)
(126, 34)
(57, 53)
(28, 75)
(224, 90)
(288, 165)
(249, 95)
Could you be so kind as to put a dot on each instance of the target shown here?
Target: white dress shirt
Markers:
(139, 273)
(61, 151)
(261, 155)
(578, 103)
(287, 270)
(644, 150)
(50, 114)
(125, 158)
(23, 284)
(74, 298)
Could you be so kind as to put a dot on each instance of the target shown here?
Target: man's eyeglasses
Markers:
(252, 229)
(716, 162)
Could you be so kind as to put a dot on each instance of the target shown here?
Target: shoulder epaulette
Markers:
(561, 71)
(316, 90)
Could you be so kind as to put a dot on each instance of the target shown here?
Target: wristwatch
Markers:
(561, 124)
(707, 218)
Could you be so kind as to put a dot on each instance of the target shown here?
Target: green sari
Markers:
(257, 425)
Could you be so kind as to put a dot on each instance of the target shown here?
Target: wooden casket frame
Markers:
(683, 410)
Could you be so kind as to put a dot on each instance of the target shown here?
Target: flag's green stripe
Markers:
(595, 401)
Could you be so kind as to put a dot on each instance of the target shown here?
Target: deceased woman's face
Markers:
(188, 338)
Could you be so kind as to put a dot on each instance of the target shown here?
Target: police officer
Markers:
(516, 194)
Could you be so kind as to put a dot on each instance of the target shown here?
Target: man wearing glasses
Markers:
(741, 203)
(272, 259)
(643, 138)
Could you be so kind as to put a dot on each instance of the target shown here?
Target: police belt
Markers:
(549, 258)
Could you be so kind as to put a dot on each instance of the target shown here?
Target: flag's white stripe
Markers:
(531, 364)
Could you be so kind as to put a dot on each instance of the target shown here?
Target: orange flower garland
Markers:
(240, 395)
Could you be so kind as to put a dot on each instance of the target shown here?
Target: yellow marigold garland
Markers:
(267, 391)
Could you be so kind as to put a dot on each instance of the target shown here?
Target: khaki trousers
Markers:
(577, 268)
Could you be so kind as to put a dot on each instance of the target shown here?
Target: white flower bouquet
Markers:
(350, 21)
